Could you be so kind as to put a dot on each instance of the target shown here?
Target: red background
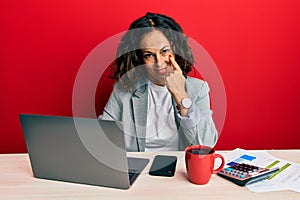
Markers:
(255, 45)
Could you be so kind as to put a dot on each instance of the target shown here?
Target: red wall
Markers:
(255, 45)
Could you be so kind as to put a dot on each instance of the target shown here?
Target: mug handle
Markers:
(221, 166)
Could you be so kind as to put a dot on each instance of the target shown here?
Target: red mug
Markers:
(199, 161)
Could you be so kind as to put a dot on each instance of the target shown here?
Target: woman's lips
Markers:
(162, 71)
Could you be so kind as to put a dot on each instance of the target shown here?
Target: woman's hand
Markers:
(175, 83)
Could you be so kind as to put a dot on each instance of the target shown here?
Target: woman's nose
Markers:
(160, 59)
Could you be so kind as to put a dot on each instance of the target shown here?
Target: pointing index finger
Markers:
(174, 63)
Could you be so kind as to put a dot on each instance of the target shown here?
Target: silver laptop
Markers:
(79, 150)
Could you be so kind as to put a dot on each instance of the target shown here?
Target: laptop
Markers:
(79, 150)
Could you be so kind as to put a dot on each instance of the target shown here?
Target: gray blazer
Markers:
(131, 109)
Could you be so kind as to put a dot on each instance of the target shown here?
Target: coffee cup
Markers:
(200, 161)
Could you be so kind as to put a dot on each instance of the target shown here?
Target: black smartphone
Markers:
(163, 165)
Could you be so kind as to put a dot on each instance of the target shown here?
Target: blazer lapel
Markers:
(140, 105)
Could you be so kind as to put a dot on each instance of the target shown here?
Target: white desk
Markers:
(17, 182)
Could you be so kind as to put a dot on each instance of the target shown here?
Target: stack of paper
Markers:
(286, 178)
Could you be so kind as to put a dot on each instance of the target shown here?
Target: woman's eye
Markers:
(165, 51)
(148, 55)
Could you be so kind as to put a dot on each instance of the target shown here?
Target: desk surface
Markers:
(17, 182)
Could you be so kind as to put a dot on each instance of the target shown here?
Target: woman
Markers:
(161, 108)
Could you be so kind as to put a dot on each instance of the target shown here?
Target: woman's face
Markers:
(156, 49)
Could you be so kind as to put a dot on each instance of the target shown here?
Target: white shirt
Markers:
(161, 130)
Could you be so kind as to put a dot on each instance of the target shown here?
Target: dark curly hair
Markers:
(129, 53)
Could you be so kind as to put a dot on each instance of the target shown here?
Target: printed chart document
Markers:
(286, 178)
